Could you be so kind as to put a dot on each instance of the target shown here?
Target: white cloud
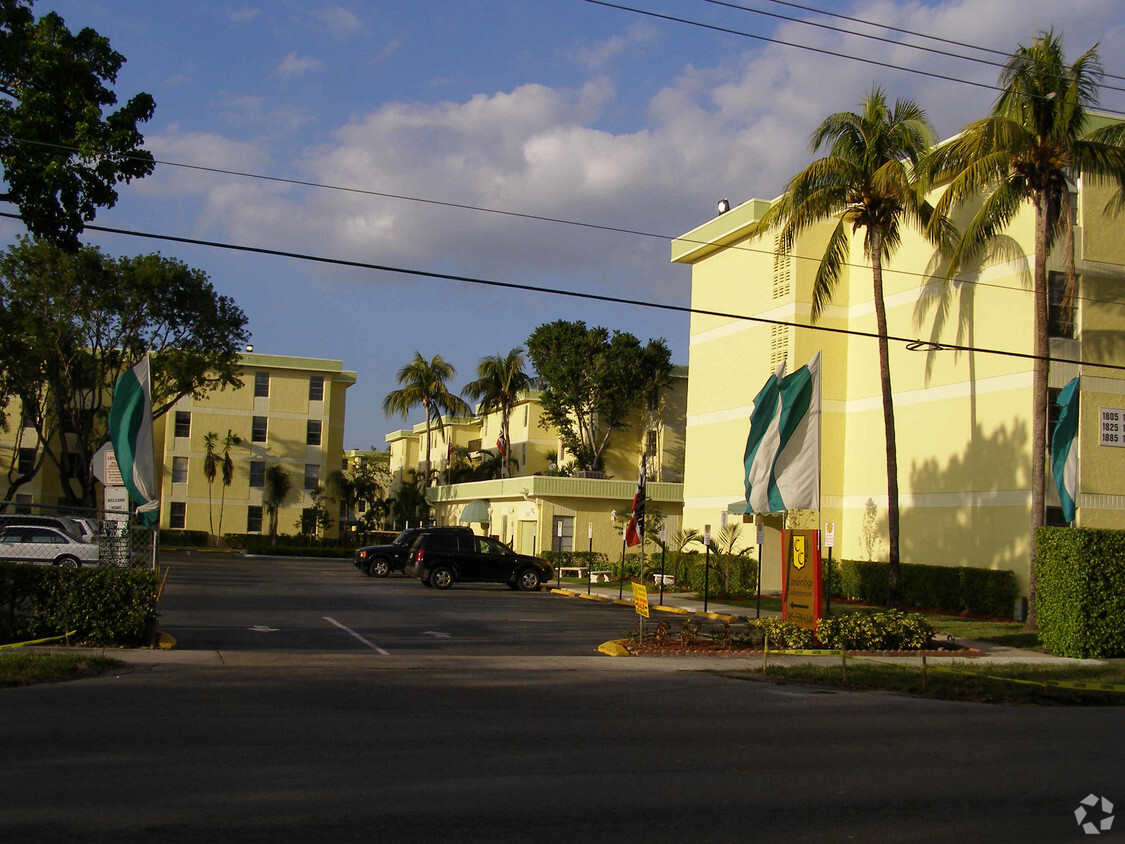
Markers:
(340, 22)
(292, 65)
(242, 14)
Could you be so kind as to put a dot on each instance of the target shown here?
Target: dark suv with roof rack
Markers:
(381, 560)
(440, 559)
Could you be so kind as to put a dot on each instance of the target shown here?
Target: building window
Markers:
(257, 474)
(316, 388)
(1060, 313)
(179, 470)
(261, 385)
(562, 533)
(178, 516)
(27, 415)
(308, 521)
(312, 432)
(183, 423)
(26, 463)
(312, 475)
(258, 429)
(253, 519)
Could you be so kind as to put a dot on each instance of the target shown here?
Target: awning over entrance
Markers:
(476, 511)
(737, 507)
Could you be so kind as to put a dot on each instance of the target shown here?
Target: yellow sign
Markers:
(640, 599)
(798, 552)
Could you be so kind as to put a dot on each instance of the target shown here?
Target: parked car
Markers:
(64, 523)
(45, 544)
(381, 560)
(442, 559)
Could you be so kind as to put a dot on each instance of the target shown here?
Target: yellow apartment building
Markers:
(536, 509)
(288, 412)
(963, 418)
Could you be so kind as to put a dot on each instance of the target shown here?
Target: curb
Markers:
(165, 641)
(613, 648)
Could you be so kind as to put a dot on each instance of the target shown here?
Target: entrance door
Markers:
(526, 538)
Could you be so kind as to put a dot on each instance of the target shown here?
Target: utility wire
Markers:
(914, 344)
(889, 28)
(820, 50)
(929, 278)
(891, 41)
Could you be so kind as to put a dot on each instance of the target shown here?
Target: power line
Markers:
(822, 51)
(927, 277)
(880, 39)
(911, 32)
(910, 342)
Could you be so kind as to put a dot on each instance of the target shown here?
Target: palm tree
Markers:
(1027, 151)
(276, 490)
(423, 383)
(210, 470)
(868, 181)
(500, 381)
(229, 441)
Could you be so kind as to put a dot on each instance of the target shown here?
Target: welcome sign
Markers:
(801, 589)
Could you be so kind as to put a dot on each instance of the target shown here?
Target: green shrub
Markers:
(781, 634)
(886, 630)
(949, 588)
(597, 561)
(105, 606)
(1080, 591)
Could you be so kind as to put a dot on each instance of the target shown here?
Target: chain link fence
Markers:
(49, 534)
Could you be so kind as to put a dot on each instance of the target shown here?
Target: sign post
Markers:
(706, 563)
(760, 529)
(829, 541)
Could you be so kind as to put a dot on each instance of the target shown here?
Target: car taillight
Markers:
(418, 555)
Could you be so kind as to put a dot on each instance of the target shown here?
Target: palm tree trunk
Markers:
(1038, 393)
(507, 440)
(894, 598)
(426, 478)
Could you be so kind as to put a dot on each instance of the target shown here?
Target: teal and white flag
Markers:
(782, 457)
(1064, 449)
(130, 431)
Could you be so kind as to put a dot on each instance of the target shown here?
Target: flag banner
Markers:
(1064, 449)
(500, 445)
(782, 456)
(130, 432)
(635, 532)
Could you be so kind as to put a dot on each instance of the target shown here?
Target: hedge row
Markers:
(105, 606)
(948, 588)
(1080, 591)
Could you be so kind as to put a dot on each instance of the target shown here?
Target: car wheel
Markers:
(528, 580)
(441, 577)
(379, 568)
(68, 562)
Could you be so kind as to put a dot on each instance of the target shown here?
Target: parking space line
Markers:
(369, 644)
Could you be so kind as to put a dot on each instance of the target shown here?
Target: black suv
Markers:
(381, 560)
(440, 559)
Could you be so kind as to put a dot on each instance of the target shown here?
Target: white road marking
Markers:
(438, 635)
(369, 644)
(261, 628)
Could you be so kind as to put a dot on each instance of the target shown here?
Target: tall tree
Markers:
(867, 181)
(61, 152)
(73, 322)
(424, 383)
(1035, 141)
(500, 381)
(591, 381)
(277, 486)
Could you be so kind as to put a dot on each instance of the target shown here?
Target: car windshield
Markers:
(404, 538)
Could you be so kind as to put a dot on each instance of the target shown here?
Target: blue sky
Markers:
(550, 108)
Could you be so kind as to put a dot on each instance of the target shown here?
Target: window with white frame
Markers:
(179, 470)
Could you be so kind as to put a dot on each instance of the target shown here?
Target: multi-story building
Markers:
(963, 417)
(537, 508)
(288, 412)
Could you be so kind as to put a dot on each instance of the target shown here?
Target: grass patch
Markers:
(27, 668)
(972, 686)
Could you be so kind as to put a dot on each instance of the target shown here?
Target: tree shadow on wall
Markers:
(983, 525)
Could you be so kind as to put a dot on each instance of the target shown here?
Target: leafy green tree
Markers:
(1036, 140)
(61, 151)
(71, 323)
(591, 381)
(424, 383)
(216, 460)
(867, 181)
(500, 382)
(276, 488)
(407, 501)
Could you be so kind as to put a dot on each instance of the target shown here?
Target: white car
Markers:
(42, 544)
(90, 528)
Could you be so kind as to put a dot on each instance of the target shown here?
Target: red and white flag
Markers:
(634, 534)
